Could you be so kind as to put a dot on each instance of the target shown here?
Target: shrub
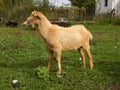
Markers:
(43, 73)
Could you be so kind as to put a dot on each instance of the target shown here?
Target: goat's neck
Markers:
(43, 28)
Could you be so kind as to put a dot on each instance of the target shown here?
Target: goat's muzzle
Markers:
(24, 23)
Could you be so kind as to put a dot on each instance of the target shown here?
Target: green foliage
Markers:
(43, 73)
(41, 3)
(87, 8)
(88, 4)
(18, 10)
(14, 9)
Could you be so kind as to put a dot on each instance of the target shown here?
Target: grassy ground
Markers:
(22, 51)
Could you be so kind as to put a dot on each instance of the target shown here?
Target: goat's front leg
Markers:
(50, 57)
(58, 58)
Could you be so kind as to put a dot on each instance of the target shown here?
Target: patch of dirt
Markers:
(98, 34)
(113, 87)
(16, 33)
(17, 44)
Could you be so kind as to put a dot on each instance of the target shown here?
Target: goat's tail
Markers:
(91, 36)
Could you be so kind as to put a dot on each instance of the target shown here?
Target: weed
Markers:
(43, 73)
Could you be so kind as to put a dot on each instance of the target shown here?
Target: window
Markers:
(106, 3)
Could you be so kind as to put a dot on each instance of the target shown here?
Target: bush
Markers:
(43, 73)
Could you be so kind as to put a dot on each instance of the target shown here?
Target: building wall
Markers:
(116, 6)
(101, 6)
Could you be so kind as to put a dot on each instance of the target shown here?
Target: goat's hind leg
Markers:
(82, 56)
(87, 49)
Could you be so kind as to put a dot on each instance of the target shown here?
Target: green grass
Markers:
(113, 21)
(22, 51)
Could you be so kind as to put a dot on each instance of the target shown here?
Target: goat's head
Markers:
(33, 19)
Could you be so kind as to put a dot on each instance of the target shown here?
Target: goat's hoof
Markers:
(91, 68)
(59, 75)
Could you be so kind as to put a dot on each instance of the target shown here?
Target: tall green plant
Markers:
(15, 9)
(85, 6)
(89, 4)
(19, 9)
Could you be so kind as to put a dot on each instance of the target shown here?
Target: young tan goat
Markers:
(58, 39)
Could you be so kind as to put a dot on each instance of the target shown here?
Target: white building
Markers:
(108, 6)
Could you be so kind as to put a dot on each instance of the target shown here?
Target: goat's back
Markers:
(72, 37)
(74, 30)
